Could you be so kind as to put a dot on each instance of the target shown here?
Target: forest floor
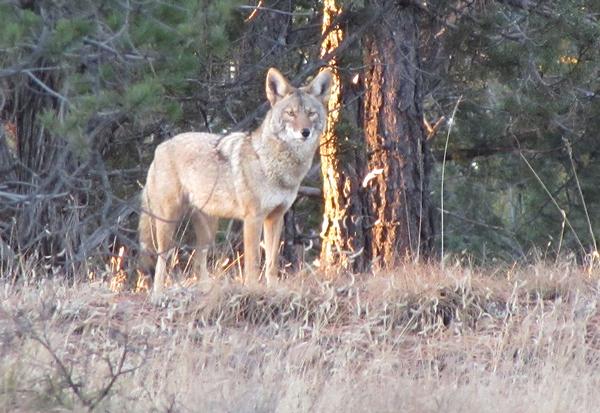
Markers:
(417, 339)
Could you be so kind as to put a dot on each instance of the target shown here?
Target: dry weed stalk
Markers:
(65, 365)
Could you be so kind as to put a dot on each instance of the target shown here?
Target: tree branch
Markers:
(46, 87)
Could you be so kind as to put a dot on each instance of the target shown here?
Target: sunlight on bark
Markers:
(333, 212)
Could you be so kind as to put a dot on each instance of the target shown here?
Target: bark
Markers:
(343, 237)
(399, 160)
(345, 240)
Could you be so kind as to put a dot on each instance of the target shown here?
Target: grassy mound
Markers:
(416, 339)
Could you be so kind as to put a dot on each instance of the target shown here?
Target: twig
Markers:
(587, 215)
(450, 124)
(276, 11)
(309, 191)
(62, 368)
(46, 88)
(553, 200)
(114, 376)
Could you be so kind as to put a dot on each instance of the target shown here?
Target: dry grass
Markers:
(417, 340)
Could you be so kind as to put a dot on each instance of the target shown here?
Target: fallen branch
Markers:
(309, 191)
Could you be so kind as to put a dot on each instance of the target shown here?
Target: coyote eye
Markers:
(312, 114)
(290, 113)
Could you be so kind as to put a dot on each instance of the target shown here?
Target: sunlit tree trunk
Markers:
(342, 234)
(399, 160)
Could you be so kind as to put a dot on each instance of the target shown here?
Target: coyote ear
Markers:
(277, 86)
(320, 87)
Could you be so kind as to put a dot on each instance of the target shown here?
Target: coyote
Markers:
(252, 176)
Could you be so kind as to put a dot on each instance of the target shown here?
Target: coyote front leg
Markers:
(252, 233)
(273, 227)
(205, 227)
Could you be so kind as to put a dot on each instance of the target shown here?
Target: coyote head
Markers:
(298, 115)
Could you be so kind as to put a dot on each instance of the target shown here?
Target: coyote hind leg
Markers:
(205, 228)
(165, 228)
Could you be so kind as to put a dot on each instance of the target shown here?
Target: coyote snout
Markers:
(252, 176)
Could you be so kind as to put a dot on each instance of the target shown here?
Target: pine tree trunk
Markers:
(343, 239)
(399, 161)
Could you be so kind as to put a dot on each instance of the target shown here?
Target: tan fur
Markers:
(145, 230)
(253, 177)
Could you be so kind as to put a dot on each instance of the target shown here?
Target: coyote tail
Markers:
(145, 230)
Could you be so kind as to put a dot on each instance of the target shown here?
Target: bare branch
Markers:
(270, 10)
(310, 192)
(45, 87)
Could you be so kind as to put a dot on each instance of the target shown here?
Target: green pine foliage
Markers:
(530, 84)
(140, 61)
